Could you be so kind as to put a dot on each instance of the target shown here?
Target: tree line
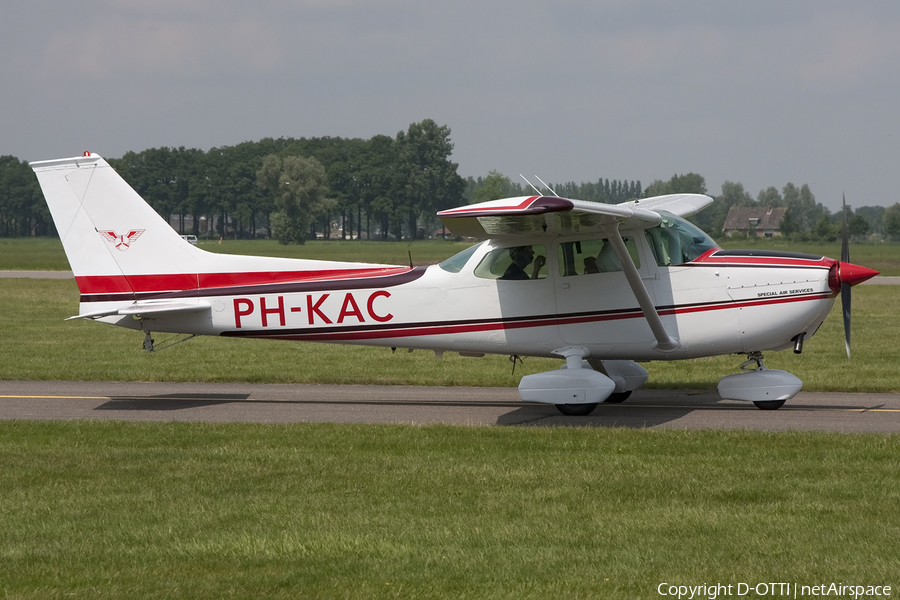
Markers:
(377, 188)
(286, 188)
(295, 188)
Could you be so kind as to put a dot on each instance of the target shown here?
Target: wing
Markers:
(680, 205)
(134, 234)
(531, 215)
(110, 236)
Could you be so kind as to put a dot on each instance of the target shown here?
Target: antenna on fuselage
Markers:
(547, 186)
(552, 191)
(537, 191)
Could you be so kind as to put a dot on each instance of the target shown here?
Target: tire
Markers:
(615, 398)
(576, 410)
(769, 404)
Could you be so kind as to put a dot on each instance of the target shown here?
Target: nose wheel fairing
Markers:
(767, 389)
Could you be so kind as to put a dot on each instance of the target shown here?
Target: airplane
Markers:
(601, 286)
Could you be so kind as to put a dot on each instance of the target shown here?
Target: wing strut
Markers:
(664, 342)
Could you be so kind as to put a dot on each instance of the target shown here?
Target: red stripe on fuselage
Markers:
(143, 284)
(709, 258)
(363, 332)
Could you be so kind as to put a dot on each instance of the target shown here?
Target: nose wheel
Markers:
(769, 404)
(576, 410)
(767, 389)
(756, 358)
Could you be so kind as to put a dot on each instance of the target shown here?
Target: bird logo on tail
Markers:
(122, 242)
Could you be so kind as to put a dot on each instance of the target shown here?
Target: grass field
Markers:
(127, 510)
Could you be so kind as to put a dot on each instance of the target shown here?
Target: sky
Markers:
(760, 93)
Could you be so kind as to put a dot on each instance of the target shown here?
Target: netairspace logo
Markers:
(772, 590)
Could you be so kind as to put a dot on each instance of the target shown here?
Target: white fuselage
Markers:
(713, 305)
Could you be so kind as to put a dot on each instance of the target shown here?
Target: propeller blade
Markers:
(846, 275)
(845, 286)
(845, 305)
(845, 237)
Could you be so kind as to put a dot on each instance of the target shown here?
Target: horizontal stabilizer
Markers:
(149, 309)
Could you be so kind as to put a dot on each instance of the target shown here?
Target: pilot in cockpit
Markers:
(521, 257)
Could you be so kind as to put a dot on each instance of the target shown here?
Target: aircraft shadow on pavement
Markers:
(170, 401)
(637, 413)
(634, 417)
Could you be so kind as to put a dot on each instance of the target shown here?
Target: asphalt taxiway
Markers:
(270, 403)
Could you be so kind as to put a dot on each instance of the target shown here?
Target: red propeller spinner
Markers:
(844, 272)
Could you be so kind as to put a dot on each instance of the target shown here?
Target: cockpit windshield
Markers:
(455, 263)
(676, 241)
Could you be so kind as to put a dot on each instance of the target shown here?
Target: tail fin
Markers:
(120, 249)
(108, 232)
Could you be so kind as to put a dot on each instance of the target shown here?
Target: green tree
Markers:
(689, 183)
(825, 230)
(890, 221)
(378, 181)
(430, 179)
(872, 215)
(795, 218)
(857, 227)
(811, 209)
(769, 197)
(23, 211)
(789, 224)
(299, 188)
(493, 187)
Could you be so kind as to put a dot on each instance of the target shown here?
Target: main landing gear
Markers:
(576, 410)
(583, 410)
(582, 383)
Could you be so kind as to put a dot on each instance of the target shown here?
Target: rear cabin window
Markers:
(514, 263)
(586, 257)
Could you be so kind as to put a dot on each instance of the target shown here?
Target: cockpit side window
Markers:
(514, 263)
(585, 257)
